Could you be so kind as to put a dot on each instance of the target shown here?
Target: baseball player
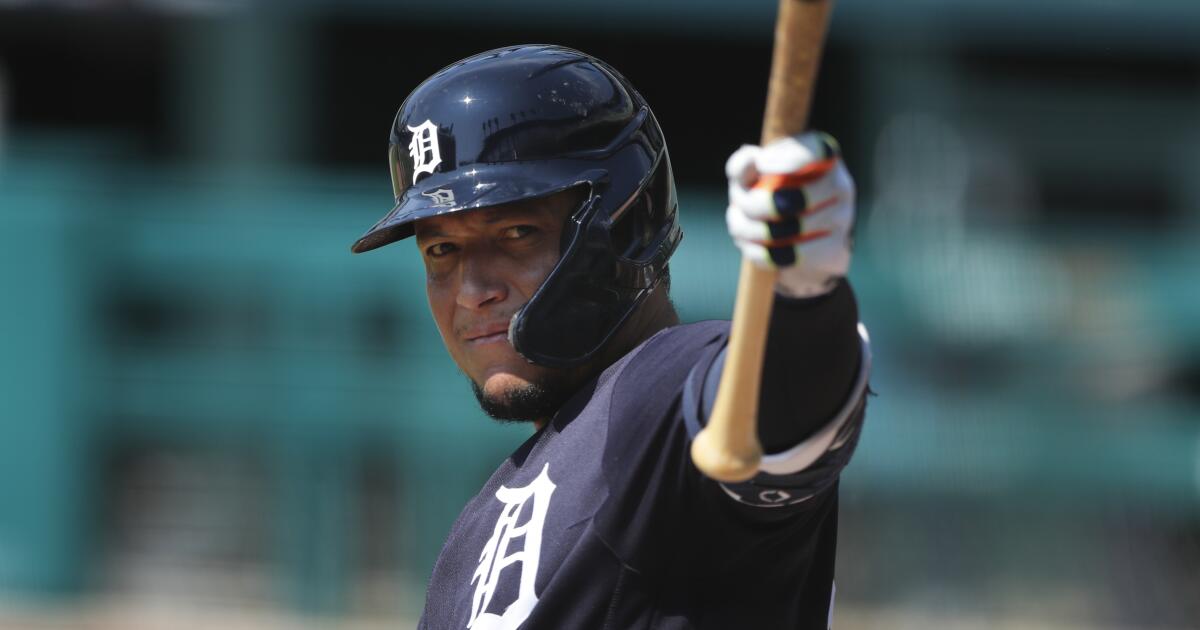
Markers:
(537, 183)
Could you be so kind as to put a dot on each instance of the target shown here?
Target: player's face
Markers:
(481, 267)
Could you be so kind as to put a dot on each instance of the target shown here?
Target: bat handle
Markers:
(727, 449)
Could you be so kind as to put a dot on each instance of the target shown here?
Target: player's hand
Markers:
(791, 207)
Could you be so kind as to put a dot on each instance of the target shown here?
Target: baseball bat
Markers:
(727, 449)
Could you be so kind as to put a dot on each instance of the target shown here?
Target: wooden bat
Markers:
(727, 449)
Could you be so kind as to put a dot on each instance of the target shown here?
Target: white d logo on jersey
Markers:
(424, 148)
(496, 555)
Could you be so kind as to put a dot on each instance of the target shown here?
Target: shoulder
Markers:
(677, 343)
(672, 352)
(686, 333)
(649, 380)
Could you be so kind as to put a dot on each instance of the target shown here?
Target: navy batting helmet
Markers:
(527, 121)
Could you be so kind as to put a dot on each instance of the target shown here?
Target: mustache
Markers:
(461, 330)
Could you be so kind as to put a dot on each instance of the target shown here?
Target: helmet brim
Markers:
(480, 187)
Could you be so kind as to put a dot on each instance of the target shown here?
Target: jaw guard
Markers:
(610, 263)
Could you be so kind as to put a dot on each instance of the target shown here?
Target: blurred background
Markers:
(213, 416)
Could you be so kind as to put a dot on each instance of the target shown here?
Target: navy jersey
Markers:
(600, 519)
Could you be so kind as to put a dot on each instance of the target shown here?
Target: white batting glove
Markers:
(791, 208)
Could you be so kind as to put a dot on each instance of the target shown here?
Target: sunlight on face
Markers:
(481, 267)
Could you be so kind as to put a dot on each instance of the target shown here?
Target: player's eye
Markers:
(437, 250)
(518, 231)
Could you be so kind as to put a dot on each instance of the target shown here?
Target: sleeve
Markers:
(810, 422)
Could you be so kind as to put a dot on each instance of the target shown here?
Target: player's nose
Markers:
(481, 285)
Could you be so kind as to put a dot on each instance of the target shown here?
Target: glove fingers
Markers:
(756, 203)
(767, 257)
(770, 205)
(793, 153)
(739, 168)
(796, 175)
(777, 241)
(777, 256)
(743, 228)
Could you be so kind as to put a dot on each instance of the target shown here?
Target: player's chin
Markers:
(500, 385)
(509, 397)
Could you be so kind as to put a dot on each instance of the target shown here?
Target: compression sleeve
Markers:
(811, 362)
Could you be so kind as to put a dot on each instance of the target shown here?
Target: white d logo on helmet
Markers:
(442, 197)
(424, 149)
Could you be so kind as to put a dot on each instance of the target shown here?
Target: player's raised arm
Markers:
(791, 209)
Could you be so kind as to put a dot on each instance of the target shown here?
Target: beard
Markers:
(525, 403)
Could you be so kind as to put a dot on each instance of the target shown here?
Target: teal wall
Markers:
(277, 344)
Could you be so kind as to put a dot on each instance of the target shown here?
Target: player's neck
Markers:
(653, 315)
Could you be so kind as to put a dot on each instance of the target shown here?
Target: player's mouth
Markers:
(492, 333)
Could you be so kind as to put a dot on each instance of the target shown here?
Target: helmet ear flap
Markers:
(612, 262)
(631, 229)
(639, 228)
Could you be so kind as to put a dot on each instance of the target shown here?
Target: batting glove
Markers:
(791, 208)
